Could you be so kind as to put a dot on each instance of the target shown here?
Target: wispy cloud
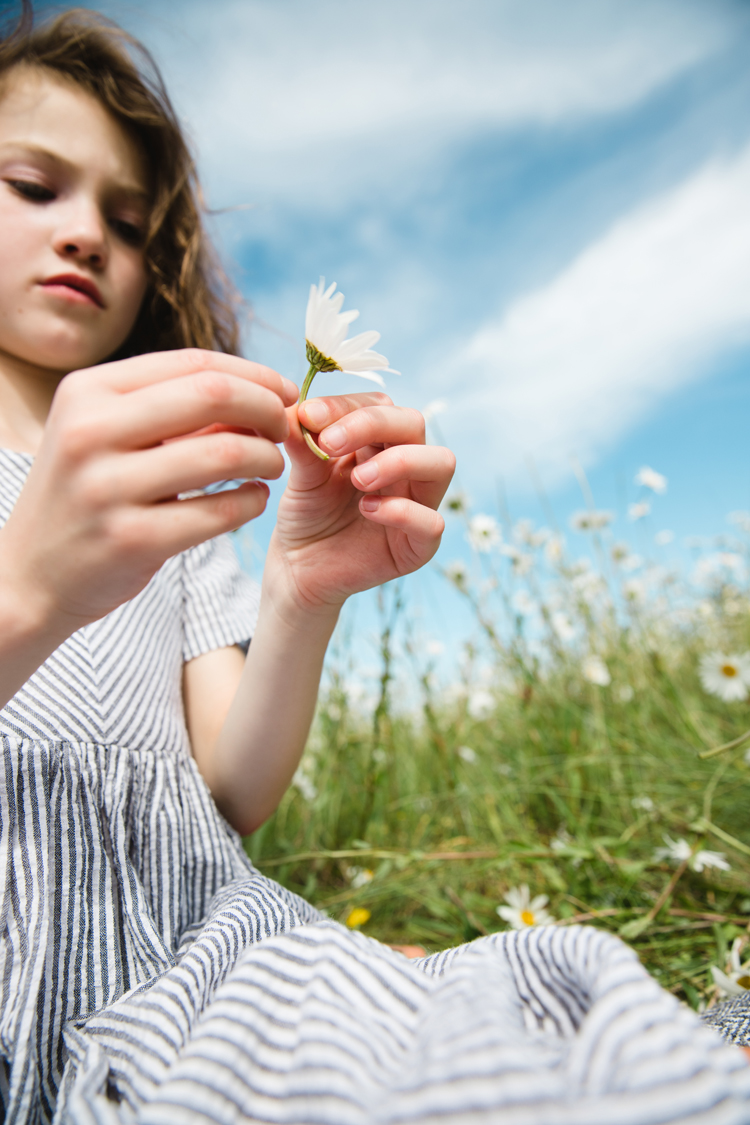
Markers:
(312, 99)
(648, 307)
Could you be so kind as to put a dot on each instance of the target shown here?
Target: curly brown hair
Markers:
(189, 301)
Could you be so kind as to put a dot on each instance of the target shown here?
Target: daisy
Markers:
(483, 533)
(457, 572)
(738, 979)
(726, 676)
(649, 478)
(638, 511)
(676, 851)
(590, 520)
(328, 348)
(523, 911)
(359, 876)
(596, 671)
(703, 859)
(467, 754)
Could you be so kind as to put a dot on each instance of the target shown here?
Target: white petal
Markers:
(371, 375)
(725, 984)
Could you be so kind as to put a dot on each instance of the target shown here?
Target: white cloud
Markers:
(309, 99)
(570, 368)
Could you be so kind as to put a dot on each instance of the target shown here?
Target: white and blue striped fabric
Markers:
(150, 974)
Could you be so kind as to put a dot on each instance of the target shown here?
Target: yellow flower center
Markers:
(743, 982)
(728, 670)
(527, 918)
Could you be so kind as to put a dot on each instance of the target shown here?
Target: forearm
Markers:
(266, 728)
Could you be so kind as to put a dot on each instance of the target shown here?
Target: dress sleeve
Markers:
(220, 601)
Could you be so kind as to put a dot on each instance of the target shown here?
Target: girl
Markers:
(148, 971)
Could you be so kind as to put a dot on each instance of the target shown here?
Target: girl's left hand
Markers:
(368, 514)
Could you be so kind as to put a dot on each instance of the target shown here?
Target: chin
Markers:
(64, 351)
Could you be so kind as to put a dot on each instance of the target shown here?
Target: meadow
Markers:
(593, 747)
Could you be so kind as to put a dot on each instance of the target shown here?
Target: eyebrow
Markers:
(128, 189)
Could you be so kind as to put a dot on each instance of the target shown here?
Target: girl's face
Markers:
(73, 211)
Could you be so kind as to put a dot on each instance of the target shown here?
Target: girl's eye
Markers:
(128, 232)
(32, 190)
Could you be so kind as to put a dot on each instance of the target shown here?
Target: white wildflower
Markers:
(738, 979)
(639, 510)
(523, 603)
(590, 520)
(553, 549)
(596, 671)
(562, 625)
(634, 590)
(589, 586)
(326, 330)
(481, 703)
(457, 503)
(703, 859)
(483, 533)
(676, 851)
(434, 648)
(619, 551)
(649, 478)
(358, 876)
(523, 911)
(631, 563)
(303, 782)
(467, 754)
(644, 803)
(664, 538)
(714, 567)
(725, 675)
(458, 573)
(625, 693)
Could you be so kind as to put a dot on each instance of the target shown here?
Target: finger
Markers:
(166, 410)
(165, 471)
(317, 413)
(373, 425)
(155, 367)
(428, 469)
(177, 525)
(423, 526)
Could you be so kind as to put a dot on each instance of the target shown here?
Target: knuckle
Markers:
(230, 452)
(230, 509)
(79, 436)
(125, 533)
(199, 359)
(214, 386)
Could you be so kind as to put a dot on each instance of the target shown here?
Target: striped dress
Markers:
(150, 974)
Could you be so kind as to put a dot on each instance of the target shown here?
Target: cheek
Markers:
(131, 282)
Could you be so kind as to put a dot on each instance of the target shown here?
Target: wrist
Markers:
(290, 601)
(27, 609)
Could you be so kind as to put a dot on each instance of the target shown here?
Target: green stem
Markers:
(313, 371)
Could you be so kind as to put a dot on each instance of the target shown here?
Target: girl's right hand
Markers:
(99, 512)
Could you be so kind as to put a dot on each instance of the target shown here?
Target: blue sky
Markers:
(544, 208)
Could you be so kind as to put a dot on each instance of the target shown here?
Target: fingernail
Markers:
(316, 413)
(367, 473)
(370, 503)
(335, 437)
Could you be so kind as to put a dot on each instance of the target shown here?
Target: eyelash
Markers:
(38, 193)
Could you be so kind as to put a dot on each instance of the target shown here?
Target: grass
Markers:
(524, 771)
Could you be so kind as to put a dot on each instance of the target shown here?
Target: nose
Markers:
(81, 235)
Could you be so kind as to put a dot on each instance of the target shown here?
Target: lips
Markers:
(69, 284)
